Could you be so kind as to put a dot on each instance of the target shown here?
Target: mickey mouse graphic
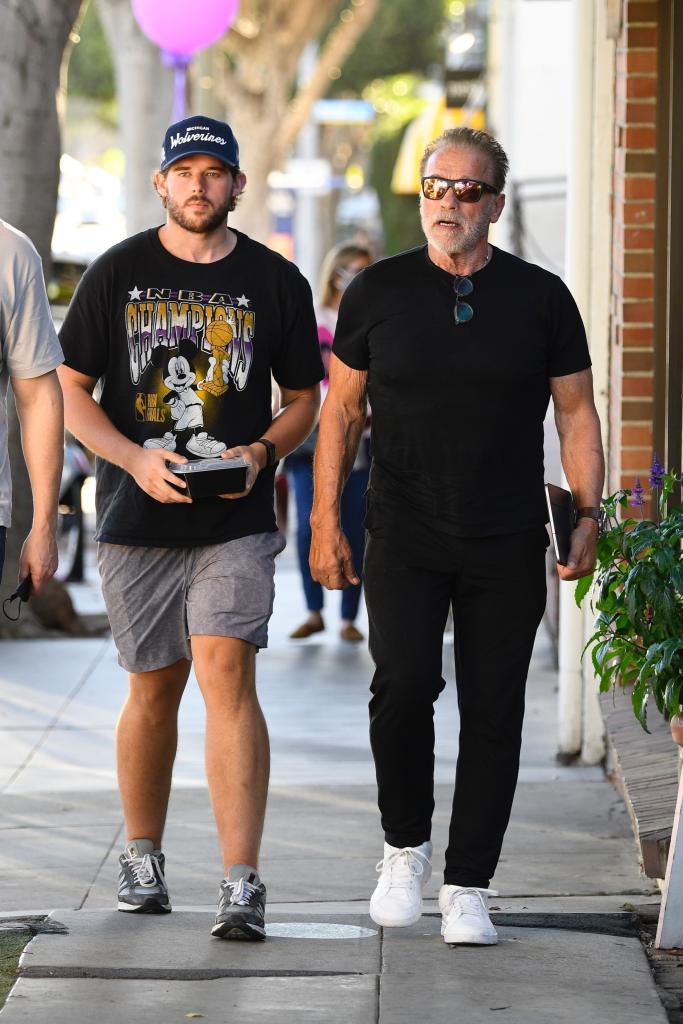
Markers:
(186, 406)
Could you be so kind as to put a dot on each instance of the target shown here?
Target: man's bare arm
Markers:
(341, 425)
(583, 461)
(41, 416)
(292, 425)
(90, 424)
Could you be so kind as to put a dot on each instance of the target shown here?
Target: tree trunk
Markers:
(32, 43)
(264, 47)
(255, 125)
(144, 88)
(32, 46)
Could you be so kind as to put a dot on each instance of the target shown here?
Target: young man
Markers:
(29, 355)
(459, 346)
(184, 325)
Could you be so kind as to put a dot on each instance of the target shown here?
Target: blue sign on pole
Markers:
(343, 111)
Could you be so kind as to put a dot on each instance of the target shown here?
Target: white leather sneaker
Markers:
(465, 915)
(397, 900)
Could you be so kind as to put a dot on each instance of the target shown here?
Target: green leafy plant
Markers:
(638, 594)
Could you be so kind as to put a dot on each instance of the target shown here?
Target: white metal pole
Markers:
(604, 49)
(307, 235)
(670, 924)
(577, 264)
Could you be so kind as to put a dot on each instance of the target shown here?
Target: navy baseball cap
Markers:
(200, 134)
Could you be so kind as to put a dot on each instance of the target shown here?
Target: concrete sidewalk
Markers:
(568, 876)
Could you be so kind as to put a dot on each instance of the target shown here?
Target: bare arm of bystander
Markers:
(41, 416)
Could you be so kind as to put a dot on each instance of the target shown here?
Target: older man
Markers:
(184, 324)
(459, 346)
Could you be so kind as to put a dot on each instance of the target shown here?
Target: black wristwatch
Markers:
(271, 450)
(591, 512)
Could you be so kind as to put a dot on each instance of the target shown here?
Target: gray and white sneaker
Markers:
(241, 906)
(142, 886)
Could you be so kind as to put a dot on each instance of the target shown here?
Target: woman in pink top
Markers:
(339, 267)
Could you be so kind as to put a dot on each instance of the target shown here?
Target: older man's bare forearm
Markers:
(335, 452)
(582, 457)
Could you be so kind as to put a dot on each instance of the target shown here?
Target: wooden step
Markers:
(644, 768)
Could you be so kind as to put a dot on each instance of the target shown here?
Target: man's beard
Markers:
(202, 223)
(464, 240)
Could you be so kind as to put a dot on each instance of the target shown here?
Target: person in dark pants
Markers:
(459, 346)
(339, 268)
(300, 470)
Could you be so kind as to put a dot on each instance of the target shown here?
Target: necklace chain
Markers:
(489, 253)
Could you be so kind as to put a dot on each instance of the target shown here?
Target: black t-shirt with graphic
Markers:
(458, 409)
(184, 353)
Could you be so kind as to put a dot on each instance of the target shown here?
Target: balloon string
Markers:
(179, 62)
(180, 78)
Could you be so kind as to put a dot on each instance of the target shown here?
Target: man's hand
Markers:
(148, 468)
(255, 456)
(581, 561)
(330, 559)
(39, 557)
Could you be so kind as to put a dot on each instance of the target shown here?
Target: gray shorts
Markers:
(157, 598)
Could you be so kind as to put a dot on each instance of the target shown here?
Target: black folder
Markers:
(562, 513)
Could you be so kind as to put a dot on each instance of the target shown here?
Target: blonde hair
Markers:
(338, 259)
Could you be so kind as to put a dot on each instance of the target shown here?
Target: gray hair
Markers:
(470, 138)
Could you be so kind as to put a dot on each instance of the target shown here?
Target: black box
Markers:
(207, 477)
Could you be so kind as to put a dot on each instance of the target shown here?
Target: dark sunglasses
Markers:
(465, 190)
(463, 312)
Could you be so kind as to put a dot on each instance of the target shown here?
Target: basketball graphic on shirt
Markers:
(219, 335)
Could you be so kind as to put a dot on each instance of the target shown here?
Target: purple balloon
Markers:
(182, 27)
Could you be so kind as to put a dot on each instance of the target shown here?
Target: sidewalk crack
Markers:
(378, 978)
(100, 866)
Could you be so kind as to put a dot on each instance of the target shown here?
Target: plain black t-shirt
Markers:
(458, 409)
(186, 350)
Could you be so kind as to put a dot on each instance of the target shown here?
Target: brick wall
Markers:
(632, 323)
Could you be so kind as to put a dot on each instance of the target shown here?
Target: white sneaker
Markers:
(167, 442)
(205, 446)
(397, 900)
(465, 915)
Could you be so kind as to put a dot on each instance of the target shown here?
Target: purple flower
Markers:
(656, 472)
(637, 495)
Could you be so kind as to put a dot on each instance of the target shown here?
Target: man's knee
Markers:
(156, 695)
(407, 686)
(224, 667)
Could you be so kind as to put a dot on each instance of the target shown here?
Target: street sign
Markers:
(343, 111)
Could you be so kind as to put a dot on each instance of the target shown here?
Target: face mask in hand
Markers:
(22, 593)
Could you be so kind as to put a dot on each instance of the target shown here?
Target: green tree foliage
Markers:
(401, 47)
(400, 214)
(404, 36)
(91, 73)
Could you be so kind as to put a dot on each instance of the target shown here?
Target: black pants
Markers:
(496, 586)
